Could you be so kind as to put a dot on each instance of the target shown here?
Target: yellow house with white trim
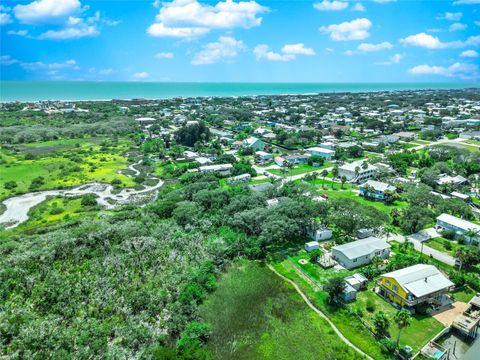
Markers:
(415, 285)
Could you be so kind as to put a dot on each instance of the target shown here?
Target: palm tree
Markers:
(285, 167)
(357, 171)
(364, 165)
(314, 176)
(403, 319)
(324, 175)
(343, 179)
(335, 174)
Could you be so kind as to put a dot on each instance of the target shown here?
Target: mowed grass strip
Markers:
(256, 315)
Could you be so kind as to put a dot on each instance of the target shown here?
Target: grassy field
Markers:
(62, 163)
(350, 326)
(256, 315)
(465, 295)
(346, 194)
(300, 169)
(444, 245)
(422, 328)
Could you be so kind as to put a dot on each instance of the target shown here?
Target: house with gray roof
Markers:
(360, 252)
(375, 189)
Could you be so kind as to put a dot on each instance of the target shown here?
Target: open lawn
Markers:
(256, 315)
(421, 330)
(347, 194)
(300, 169)
(447, 246)
(464, 295)
(349, 325)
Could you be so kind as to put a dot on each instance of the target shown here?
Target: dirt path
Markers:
(319, 312)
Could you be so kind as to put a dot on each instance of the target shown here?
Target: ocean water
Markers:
(89, 90)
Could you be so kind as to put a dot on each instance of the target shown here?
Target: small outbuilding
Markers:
(311, 246)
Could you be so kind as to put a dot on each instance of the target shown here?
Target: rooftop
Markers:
(457, 222)
(420, 279)
(362, 247)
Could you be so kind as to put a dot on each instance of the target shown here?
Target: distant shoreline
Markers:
(75, 91)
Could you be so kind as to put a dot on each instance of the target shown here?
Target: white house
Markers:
(360, 252)
(254, 143)
(459, 226)
(327, 154)
(375, 189)
(349, 171)
(223, 169)
(312, 245)
(319, 234)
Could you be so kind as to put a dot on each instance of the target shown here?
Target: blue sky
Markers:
(241, 41)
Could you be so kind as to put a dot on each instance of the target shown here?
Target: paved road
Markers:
(415, 240)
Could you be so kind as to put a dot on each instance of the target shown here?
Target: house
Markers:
(454, 180)
(376, 189)
(263, 157)
(349, 293)
(327, 145)
(406, 135)
(415, 285)
(319, 233)
(292, 159)
(459, 226)
(357, 281)
(357, 171)
(254, 143)
(239, 179)
(223, 169)
(364, 233)
(327, 154)
(311, 246)
(360, 252)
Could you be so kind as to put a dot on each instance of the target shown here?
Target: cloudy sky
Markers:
(241, 41)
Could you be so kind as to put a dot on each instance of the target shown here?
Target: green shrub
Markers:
(370, 305)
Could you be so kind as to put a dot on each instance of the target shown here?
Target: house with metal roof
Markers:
(459, 226)
(254, 143)
(360, 252)
(357, 171)
(376, 189)
(415, 285)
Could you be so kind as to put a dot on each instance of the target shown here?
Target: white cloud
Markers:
(469, 54)
(102, 72)
(457, 27)
(466, 2)
(70, 33)
(450, 16)
(262, 51)
(297, 49)
(394, 59)
(358, 7)
(141, 75)
(39, 65)
(190, 18)
(160, 30)
(7, 60)
(432, 42)
(5, 19)
(225, 49)
(457, 70)
(18, 32)
(288, 52)
(164, 55)
(354, 30)
(335, 5)
(367, 47)
(47, 11)
(68, 19)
